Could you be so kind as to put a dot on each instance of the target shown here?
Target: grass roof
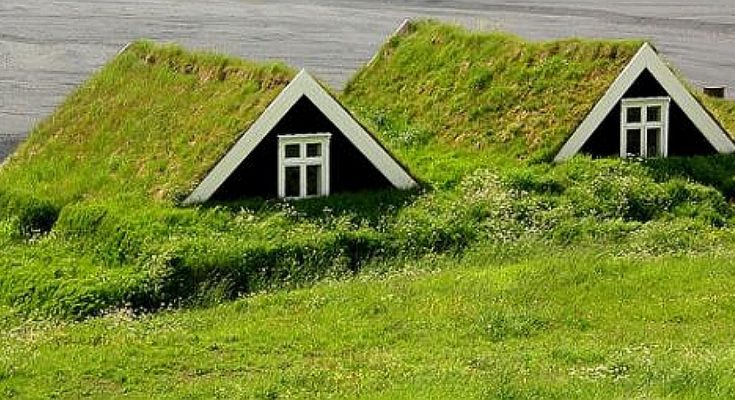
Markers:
(150, 123)
(722, 109)
(154, 121)
(480, 90)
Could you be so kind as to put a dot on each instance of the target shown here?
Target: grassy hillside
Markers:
(154, 120)
(516, 278)
(83, 232)
(101, 255)
(555, 327)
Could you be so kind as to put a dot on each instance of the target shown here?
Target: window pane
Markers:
(313, 180)
(293, 151)
(293, 181)
(314, 150)
(653, 114)
(633, 114)
(634, 142)
(654, 142)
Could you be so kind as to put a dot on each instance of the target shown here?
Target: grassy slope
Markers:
(723, 110)
(149, 124)
(575, 326)
(145, 126)
(155, 119)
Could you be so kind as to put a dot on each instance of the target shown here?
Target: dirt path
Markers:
(47, 48)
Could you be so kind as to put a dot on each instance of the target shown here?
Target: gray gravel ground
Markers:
(49, 47)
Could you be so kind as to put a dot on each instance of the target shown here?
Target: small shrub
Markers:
(715, 171)
(94, 227)
(680, 236)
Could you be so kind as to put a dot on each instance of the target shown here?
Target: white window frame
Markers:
(303, 161)
(644, 124)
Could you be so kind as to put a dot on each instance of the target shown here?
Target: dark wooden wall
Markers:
(257, 176)
(684, 137)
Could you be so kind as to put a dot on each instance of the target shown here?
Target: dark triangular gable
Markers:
(685, 139)
(250, 167)
(692, 130)
(257, 175)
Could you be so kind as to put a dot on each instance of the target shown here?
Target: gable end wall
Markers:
(257, 175)
(684, 137)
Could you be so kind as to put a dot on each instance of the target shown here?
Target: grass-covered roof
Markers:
(446, 100)
(152, 122)
(480, 89)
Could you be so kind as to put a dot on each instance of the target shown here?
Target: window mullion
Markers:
(665, 130)
(302, 179)
(623, 133)
(644, 139)
(281, 170)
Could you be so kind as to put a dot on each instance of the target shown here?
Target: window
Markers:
(644, 127)
(303, 165)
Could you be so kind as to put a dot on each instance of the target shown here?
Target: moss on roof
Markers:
(722, 109)
(148, 124)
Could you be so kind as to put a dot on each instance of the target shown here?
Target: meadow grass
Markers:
(558, 325)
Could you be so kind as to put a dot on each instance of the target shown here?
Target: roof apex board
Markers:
(302, 85)
(647, 58)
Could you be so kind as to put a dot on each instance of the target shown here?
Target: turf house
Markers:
(305, 144)
(599, 276)
(647, 112)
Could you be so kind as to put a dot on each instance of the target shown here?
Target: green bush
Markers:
(715, 171)
(51, 277)
(97, 229)
(153, 254)
(628, 190)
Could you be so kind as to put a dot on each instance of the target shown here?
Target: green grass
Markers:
(160, 255)
(566, 326)
(477, 98)
(151, 123)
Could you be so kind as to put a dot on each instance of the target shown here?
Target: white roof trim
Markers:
(402, 29)
(647, 58)
(303, 85)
